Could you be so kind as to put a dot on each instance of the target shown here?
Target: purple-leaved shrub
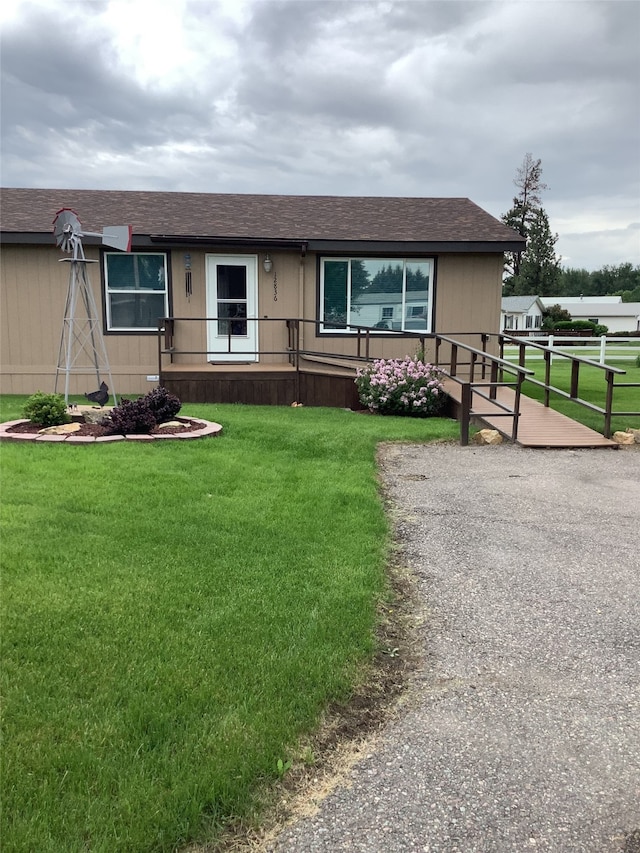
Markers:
(142, 415)
(401, 387)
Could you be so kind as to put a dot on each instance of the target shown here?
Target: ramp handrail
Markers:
(550, 352)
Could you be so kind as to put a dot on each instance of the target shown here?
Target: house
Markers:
(521, 313)
(239, 283)
(609, 311)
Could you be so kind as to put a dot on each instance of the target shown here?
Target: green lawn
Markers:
(176, 614)
(592, 388)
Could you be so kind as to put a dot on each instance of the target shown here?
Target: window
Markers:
(136, 292)
(508, 321)
(529, 321)
(379, 293)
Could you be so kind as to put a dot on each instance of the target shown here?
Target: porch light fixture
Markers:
(267, 263)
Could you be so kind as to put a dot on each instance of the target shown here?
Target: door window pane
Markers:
(232, 299)
(232, 282)
(231, 318)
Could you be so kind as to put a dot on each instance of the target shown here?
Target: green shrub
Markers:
(575, 325)
(580, 325)
(46, 409)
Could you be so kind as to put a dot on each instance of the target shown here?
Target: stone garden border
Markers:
(207, 428)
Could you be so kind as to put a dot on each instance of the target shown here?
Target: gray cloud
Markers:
(376, 98)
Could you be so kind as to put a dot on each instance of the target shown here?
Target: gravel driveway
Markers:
(523, 732)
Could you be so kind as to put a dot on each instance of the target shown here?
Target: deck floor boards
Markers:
(538, 425)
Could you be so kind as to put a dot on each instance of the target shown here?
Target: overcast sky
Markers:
(414, 98)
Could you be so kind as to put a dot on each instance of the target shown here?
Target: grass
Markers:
(177, 614)
(592, 387)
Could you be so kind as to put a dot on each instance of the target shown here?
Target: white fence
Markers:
(603, 349)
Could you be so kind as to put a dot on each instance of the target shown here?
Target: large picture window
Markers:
(135, 290)
(384, 294)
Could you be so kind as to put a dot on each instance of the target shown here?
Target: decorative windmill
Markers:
(82, 348)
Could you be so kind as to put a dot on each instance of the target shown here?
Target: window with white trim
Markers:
(391, 293)
(136, 290)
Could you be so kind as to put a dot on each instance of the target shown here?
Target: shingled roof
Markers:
(301, 218)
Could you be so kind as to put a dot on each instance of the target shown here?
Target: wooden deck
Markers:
(538, 426)
(262, 384)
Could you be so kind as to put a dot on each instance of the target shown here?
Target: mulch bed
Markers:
(97, 430)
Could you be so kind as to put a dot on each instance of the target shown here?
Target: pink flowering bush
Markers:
(401, 387)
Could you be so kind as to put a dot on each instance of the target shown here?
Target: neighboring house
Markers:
(521, 313)
(232, 269)
(609, 311)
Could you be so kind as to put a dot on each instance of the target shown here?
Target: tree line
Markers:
(536, 271)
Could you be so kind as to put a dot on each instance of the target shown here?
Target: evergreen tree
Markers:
(529, 182)
(540, 267)
(535, 270)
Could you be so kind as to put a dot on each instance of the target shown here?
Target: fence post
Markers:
(603, 349)
(465, 413)
(575, 372)
(516, 407)
(547, 376)
(485, 339)
(608, 403)
(493, 390)
(550, 344)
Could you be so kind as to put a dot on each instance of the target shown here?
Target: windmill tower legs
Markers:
(82, 347)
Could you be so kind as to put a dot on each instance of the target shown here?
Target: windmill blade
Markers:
(66, 227)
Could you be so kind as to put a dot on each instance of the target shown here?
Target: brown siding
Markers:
(469, 290)
(34, 292)
(34, 289)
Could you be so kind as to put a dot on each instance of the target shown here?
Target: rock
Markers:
(635, 433)
(487, 436)
(63, 429)
(172, 425)
(624, 437)
(96, 416)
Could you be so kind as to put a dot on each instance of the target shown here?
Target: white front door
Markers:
(232, 299)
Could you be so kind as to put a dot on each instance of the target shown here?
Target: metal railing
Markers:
(548, 355)
(478, 373)
(462, 367)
